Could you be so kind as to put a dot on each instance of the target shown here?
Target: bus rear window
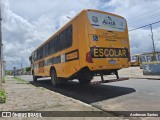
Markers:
(106, 22)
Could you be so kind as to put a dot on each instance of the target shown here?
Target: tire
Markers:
(54, 78)
(35, 78)
(85, 80)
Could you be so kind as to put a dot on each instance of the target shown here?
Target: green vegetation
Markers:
(3, 79)
(28, 69)
(9, 72)
(19, 79)
(2, 96)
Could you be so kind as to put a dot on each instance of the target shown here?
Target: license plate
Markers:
(112, 61)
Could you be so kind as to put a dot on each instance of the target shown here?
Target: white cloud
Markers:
(27, 23)
(139, 13)
(18, 36)
(136, 11)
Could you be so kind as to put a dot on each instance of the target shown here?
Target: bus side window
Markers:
(158, 57)
(49, 48)
(41, 52)
(62, 39)
(69, 36)
(43, 49)
(58, 43)
(52, 49)
(38, 54)
(55, 46)
(35, 55)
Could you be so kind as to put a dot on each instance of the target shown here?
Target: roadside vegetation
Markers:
(9, 72)
(2, 96)
(3, 79)
(2, 91)
(28, 69)
(19, 79)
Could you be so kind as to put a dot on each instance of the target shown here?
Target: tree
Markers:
(9, 72)
(28, 69)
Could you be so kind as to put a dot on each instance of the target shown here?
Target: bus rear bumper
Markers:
(113, 67)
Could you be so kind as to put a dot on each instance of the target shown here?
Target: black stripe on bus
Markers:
(57, 59)
(71, 53)
(101, 52)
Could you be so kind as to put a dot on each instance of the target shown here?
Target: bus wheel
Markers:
(54, 78)
(85, 80)
(34, 77)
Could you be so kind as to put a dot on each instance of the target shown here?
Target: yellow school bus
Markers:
(135, 60)
(92, 43)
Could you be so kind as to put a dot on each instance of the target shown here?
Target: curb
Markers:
(145, 78)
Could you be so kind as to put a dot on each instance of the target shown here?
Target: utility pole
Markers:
(21, 67)
(1, 60)
(152, 39)
(154, 51)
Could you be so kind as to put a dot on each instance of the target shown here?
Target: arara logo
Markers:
(109, 21)
(94, 19)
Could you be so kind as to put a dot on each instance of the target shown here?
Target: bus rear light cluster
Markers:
(89, 57)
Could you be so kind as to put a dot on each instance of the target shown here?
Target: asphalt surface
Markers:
(129, 95)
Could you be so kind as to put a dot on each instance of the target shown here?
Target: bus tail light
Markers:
(89, 57)
(129, 57)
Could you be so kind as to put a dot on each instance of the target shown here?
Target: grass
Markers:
(3, 79)
(19, 79)
(2, 96)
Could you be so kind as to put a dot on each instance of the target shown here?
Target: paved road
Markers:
(130, 95)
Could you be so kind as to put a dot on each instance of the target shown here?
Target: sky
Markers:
(28, 23)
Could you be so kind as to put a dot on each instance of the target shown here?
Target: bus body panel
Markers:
(83, 43)
(100, 63)
(83, 40)
(135, 60)
(71, 64)
(67, 67)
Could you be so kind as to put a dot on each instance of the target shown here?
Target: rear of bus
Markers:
(135, 61)
(108, 46)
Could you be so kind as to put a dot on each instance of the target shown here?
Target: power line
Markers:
(144, 26)
(145, 18)
(146, 13)
(157, 31)
(150, 25)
